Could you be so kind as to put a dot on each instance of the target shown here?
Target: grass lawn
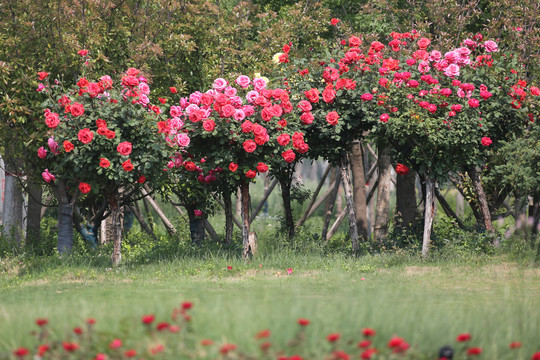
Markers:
(428, 304)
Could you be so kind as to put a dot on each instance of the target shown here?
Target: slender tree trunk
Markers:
(383, 194)
(359, 190)
(66, 204)
(286, 198)
(13, 204)
(117, 219)
(406, 210)
(482, 201)
(429, 214)
(313, 198)
(229, 225)
(346, 180)
(33, 222)
(248, 241)
(330, 205)
(196, 225)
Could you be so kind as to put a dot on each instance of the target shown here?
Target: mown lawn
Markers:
(428, 304)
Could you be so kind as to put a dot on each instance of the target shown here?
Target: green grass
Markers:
(428, 304)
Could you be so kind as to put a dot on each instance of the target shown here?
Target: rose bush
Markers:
(102, 140)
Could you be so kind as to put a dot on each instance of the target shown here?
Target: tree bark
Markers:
(359, 190)
(383, 194)
(117, 219)
(229, 225)
(13, 203)
(285, 185)
(429, 214)
(248, 241)
(66, 205)
(330, 205)
(33, 221)
(406, 208)
(346, 180)
(482, 201)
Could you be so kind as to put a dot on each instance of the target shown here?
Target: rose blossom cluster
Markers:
(134, 90)
(252, 120)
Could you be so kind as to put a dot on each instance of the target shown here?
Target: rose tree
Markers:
(443, 111)
(103, 143)
(237, 129)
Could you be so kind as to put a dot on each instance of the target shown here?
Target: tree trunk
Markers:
(229, 225)
(66, 205)
(248, 240)
(196, 225)
(346, 180)
(33, 222)
(406, 210)
(285, 185)
(313, 198)
(13, 203)
(117, 219)
(330, 205)
(383, 194)
(429, 214)
(359, 190)
(482, 201)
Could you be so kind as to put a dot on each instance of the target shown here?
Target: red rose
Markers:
(283, 139)
(402, 169)
(250, 174)
(384, 117)
(288, 156)
(68, 146)
(423, 43)
(333, 337)
(368, 332)
(124, 148)
(474, 103)
(104, 163)
(42, 75)
(334, 21)
(368, 353)
(190, 166)
(52, 120)
(115, 344)
(486, 141)
(209, 125)
(306, 118)
(249, 146)
(173, 90)
(328, 95)
(77, 109)
(312, 95)
(247, 126)
(262, 167)
(474, 351)
(127, 165)
(101, 123)
(463, 337)
(332, 118)
(83, 52)
(233, 167)
(535, 91)
(355, 41)
(130, 353)
(303, 322)
(84, 188)
(85, 136)
(21, 352)
(141, 179)
(102, 131)
(110, 134)
(130, 81)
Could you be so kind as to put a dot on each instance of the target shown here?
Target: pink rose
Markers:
(452, 70)
(243, 81)
(52, 120)
(456, 108)
(366, 97)
(307, 118)
(384, 117)
(182, 139)
(47, 176)
(77, 109)
(53, 145)
(535, 91)
(130, 81)
(42, 152)
(305, 105)
(259, 84)
(228, 110)
(491, 46)
(220, 84)
(423, 43)
(230, 91)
